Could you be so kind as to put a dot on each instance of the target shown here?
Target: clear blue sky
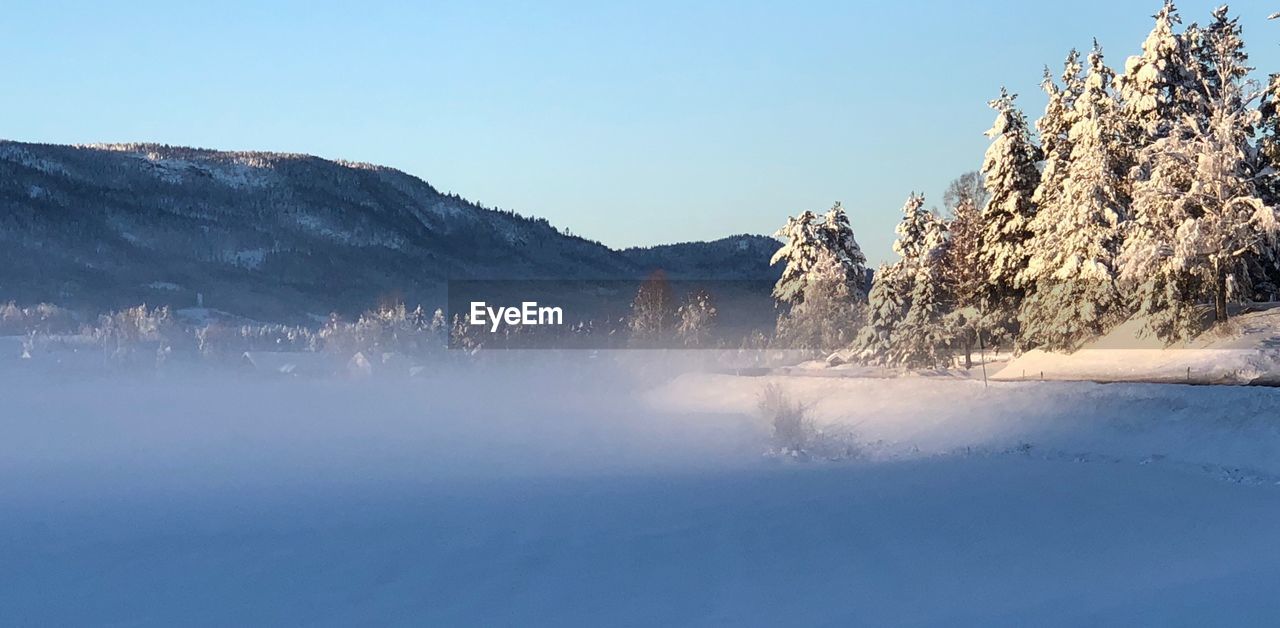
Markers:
(635, 123)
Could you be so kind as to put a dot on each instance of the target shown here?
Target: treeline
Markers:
(141, 335)
(1150, 192)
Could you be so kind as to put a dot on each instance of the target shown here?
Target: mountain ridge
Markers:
(283, 235)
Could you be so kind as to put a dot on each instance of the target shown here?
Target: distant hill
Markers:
(735, 257)
(282, 236)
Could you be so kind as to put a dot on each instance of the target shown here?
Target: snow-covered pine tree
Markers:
(830, 314)
(1055, 127)
(1223, 36)
(1268, 146)
(912, 229)
(841, 243)
(800, 246)
(1268, 170)
(1236, 230)
(922, 341)
(1163, 289)
(1200, 224)
(1269, 126)
(1269, 141)
(964, 199)
(886, 308)
(804, 236)
(1075, 238)
(1157, 87)
(894, 335)
(1011, 178)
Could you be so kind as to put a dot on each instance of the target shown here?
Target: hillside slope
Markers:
(735, 257)
(278, 235)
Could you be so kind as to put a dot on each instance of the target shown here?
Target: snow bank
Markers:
(1231, 430)
(1246, 352)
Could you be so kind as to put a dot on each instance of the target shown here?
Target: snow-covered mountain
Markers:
(281, 235)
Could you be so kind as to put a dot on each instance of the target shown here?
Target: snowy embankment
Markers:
(1228, 431)
(1246, 352)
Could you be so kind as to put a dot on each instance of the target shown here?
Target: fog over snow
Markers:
(545, 489)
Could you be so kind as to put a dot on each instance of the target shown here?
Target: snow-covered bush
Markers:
(792, 430)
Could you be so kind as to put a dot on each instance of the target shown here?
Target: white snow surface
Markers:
(570, 492)
(1225, 431)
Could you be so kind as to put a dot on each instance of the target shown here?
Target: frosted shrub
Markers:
(696, 319)
(387, 329)
(44, 318)
(133, 325)
(122, 334)
(219, 339)
(653, 313)
(276, 337)
(10, 315)
(792, 428)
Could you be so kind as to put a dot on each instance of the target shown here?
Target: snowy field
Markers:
(568, 494)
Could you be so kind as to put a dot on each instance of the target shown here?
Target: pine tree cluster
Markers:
(1151, 194)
